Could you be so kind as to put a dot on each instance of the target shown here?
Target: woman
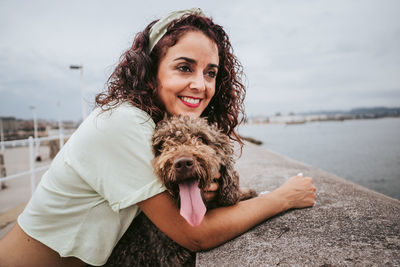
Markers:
(181, 64)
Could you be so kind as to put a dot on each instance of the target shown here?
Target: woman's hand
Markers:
(298, 192)
(211, 191)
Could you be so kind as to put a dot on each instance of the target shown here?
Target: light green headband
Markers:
(158, 30)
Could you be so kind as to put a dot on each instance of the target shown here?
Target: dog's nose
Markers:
(183, 164)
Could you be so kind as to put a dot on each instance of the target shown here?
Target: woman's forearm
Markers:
(218, 226)
(223, 224)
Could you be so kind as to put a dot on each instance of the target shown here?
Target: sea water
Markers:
(366, 152)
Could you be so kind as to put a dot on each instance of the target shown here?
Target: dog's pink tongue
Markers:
(192, 206)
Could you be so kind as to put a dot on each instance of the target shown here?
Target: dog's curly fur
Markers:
(211, 152)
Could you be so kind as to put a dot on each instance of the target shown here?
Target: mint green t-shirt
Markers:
(87, 199)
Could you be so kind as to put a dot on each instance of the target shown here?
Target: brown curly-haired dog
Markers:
(189, 154)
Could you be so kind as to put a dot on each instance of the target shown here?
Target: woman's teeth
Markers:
(190, 100)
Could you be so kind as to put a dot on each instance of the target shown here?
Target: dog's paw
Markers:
(246, 193)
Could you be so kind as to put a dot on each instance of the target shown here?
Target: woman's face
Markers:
(187, 73)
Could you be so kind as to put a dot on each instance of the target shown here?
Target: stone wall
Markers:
(349, 225)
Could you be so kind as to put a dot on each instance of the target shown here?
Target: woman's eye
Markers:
(212, 74)
(184, 68)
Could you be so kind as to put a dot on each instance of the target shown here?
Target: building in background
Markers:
(14, 129)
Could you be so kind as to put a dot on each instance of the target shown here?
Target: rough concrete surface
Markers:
(349, 225)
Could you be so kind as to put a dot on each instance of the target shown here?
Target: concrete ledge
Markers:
(349, 225)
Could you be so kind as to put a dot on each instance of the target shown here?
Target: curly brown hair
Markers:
(135, 78)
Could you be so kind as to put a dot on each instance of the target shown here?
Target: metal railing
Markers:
(33, 145)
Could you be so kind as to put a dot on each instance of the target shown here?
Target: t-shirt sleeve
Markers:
(111, 151)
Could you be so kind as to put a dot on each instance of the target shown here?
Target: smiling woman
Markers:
(137, 78)
(103, 178)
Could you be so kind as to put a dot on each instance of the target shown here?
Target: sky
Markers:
(298, 56)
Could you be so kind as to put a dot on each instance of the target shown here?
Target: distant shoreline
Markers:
(303, 117)
(297, 119)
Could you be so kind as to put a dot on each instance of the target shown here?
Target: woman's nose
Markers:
(198, 82)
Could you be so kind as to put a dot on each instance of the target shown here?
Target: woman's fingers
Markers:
(211, 191)
(209, 196)
(212, 187)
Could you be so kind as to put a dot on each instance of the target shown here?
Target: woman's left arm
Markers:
(222, 224)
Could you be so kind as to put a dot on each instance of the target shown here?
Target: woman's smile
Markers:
(190, 101)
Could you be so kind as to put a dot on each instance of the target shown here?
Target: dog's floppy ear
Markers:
(229, 193)
(223, 144)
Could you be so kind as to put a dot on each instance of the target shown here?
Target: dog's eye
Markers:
(158, 148)
(203, 140)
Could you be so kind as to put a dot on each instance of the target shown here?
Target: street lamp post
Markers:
(35, 133)
(60, 130)
(1, 134)
(83, 103)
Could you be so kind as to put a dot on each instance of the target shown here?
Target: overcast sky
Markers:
(297, 55)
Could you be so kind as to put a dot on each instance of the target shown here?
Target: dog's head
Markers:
(189, 154)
